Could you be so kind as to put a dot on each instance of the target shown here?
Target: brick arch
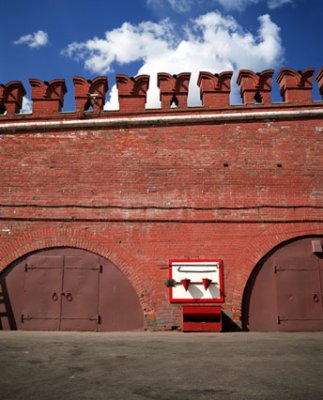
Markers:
(50, 238)
(270, 238)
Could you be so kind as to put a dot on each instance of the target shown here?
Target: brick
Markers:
(143, 194)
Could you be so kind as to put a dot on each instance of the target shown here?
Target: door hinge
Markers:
(280, 319)
(317, 247)
(25, 318)
(96, 318)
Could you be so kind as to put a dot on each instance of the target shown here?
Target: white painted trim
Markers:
(159, 120)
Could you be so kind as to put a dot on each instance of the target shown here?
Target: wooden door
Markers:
(284, 292)
(298, 291)
(67, 289)
(42, 293)
(80, 293)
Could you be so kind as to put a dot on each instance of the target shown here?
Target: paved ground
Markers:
(160, 366)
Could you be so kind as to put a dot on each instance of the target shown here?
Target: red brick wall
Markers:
(141, 195)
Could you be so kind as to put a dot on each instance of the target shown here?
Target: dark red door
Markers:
(67, 289)
(120, 309)
(42, 301)
(285, 291)
(299, 297)
(80, 293)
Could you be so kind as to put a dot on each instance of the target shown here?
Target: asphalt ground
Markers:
(160, 366)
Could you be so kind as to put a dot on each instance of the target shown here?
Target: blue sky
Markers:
(49, 39)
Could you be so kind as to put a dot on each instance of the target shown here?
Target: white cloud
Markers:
(272, 4)
(26, 106)
(239, 5)
(123, 45)
(34, 40)
(212, 42)
(183, 6)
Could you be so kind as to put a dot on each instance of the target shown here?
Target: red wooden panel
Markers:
(202, 319)
(202, 327)
(202, 309)
(42, 300)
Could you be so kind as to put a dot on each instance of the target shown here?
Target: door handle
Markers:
(54, 296)
(68, 296)
(316, 298)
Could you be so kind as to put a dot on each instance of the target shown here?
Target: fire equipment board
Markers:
(196, 281)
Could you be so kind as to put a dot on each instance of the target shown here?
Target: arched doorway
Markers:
(67, 289)
(285, 290)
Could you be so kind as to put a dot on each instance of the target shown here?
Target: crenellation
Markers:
(132, 92)
(11, 96)
(296, 86)
(47, 96)
(173, 89)
(215, 89)
(90, 93)
(319, 79)
(255, 87)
